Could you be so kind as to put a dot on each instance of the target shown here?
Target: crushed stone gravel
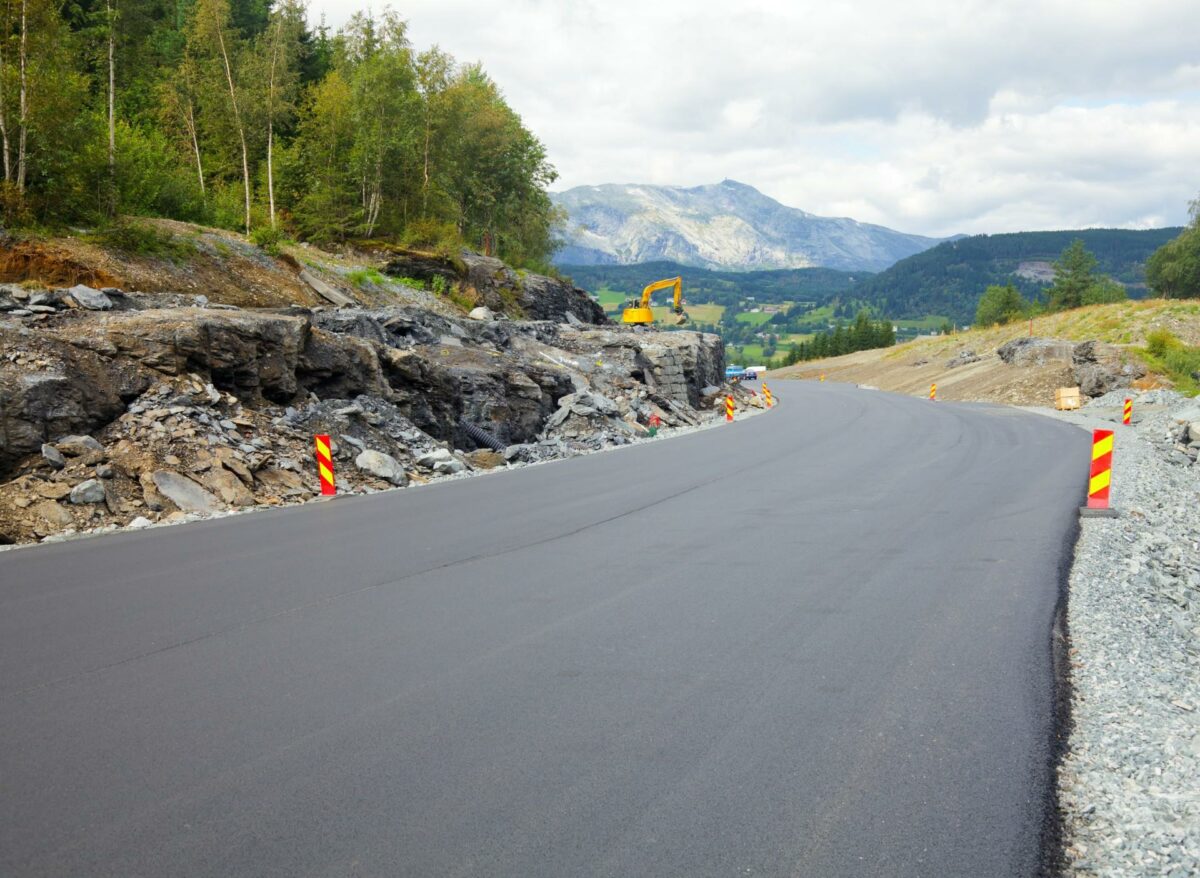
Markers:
(1129, 784)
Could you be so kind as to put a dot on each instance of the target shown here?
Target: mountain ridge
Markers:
(719, 226)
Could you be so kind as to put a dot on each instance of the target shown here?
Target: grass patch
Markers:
(364, 277)
(753, 319)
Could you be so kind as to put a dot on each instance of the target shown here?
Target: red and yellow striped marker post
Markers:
(1128, 416)
(729, 409)
(933, 392)
(1100, 475)
(767, 394)
(325, 466)
(822, 376)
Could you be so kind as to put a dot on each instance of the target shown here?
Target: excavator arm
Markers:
(641, 313)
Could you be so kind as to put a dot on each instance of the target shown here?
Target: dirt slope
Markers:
(911, 368)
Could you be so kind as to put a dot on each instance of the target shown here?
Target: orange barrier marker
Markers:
(767, 394)
(933, 392)
(729, 409)
(325, 466)
(1100, 477)
(822, 376)
(1128, 412)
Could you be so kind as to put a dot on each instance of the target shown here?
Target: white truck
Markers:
(754, 372)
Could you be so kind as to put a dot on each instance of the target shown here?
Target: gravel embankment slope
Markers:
(1129, 784)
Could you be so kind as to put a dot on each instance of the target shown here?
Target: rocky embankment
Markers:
(1130, 781)
(126, 409)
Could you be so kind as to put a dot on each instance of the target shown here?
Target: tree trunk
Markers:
(271, 122)
(190, 121)
(112, 112)
(237, 118)
(4, 29)
(24, 121)
(425, 178)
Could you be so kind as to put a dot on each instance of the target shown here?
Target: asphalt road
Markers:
(816, 642)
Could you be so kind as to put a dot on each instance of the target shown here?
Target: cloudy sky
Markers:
(930, 116)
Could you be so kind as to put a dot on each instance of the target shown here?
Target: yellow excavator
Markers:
(641, 313)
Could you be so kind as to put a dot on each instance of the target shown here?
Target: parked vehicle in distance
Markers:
(754, 372)
(734, 373)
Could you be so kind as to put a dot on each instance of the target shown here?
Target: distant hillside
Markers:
(728, 225)
(950, 278)
(722, 287)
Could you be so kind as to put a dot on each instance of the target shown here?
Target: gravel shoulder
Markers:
(1129, 782)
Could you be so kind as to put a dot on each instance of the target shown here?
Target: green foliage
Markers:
(1104, 291)
(269, 239)
(1072, 277)
(1000, 305)
(1076, 283)
(440, 285)
(949, 278)
(863, 334)
(1174, 269)
(1159, 341)
(328, 135)
(1181, 363)
(142, 239)
(432, 234)
(370, 277)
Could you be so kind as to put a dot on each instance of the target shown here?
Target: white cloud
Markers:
(932, 116)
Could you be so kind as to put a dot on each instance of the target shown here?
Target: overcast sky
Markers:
(930, 116)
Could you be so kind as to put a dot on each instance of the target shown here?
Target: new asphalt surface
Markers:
(814, 642)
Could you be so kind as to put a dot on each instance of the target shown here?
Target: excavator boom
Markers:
(641, 313)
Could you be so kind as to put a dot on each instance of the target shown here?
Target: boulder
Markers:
(382, 466)
(89, 299)
(90, 491)
(53, 456)
(441, 461)
(184, 493)
(482, 313)
(228, 487)
(962, 358)
(77, 446)
(485, 458)
(53, 514)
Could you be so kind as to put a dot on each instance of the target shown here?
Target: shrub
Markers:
(438, 236)
(142, 239)
(1160, 341)
(268, 238)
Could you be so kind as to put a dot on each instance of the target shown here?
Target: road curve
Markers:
(815, 642)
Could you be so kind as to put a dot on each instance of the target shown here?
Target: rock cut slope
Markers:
(120, 406)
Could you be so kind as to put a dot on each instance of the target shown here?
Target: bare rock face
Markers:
(1098, 370)
(49, 387)
(1035, 351)
(251, 354)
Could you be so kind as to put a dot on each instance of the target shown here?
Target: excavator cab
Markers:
(639, 313)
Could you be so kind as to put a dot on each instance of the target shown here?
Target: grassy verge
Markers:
(1166, 354)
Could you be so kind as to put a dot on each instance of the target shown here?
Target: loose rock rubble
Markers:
(1130, 782)
(124, 409)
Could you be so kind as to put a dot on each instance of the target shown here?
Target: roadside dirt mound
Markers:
(966, 373)
(52, 265)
